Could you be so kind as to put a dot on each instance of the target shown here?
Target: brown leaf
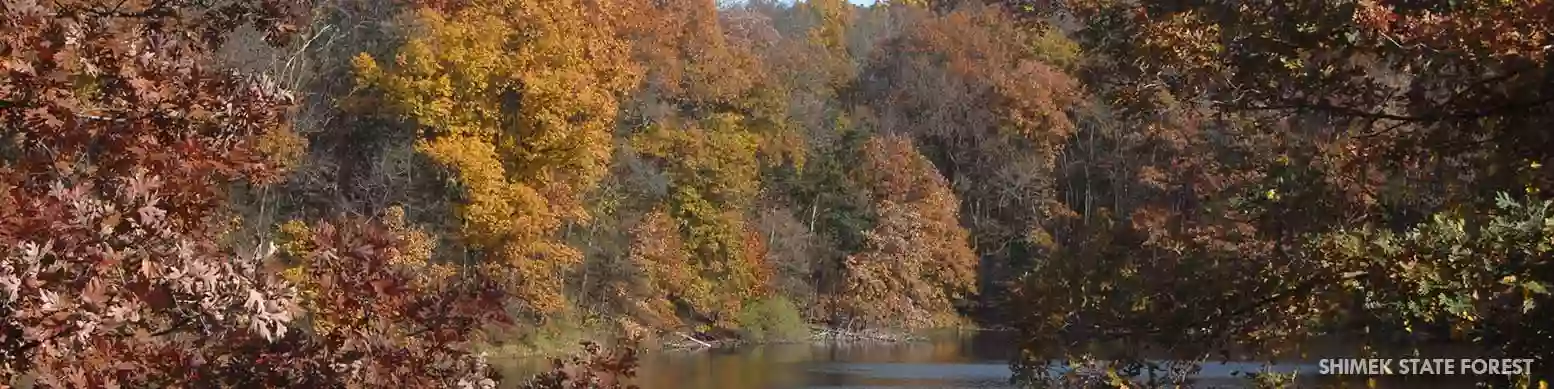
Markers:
(94, 293)
(157, 297)
(19, 66)
(110, 223)
(380, 285)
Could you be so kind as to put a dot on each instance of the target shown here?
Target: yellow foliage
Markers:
(832, 18)
(714, 175)
(780, 140)
(829, 34)
(294, 238)
(719, 161)
(282, 148)
(295, 241)
(415, 251)
(520, 97)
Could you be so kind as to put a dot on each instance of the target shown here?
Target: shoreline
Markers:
(818, 335)
(680, 341)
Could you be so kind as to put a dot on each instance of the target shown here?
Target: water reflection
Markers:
(953, 361)
(943, 362)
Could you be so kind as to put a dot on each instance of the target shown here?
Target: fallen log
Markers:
(693, 339)
(835, 335)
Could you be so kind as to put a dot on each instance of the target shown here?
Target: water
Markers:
(977, 360)
(969, 361)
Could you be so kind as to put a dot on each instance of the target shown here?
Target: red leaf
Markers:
(158, 298)
(381, 285)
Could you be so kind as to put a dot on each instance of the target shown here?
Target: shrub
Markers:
(772, 319)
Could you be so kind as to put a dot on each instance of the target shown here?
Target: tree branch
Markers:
(1300, 288)
(1502, 110)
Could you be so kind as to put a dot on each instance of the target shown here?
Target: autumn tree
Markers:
(916, 263)
(697, 69)
(989, 103)
(118, 140)
(122, 138)
(794, 253)
(665, 271)
(373, 300)
(827, 26)
(1291, 133)
(713, 179)
(834, 206)
(517, 100)
(690, 67)
(698, 132)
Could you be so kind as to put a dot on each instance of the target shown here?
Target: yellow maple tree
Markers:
(519, 97)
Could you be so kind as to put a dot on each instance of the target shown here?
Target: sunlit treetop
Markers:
(519, 99)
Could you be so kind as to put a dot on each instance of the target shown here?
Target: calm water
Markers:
(955, 361)
(966, 361)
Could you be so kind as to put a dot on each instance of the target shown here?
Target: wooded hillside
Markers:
(246, 193)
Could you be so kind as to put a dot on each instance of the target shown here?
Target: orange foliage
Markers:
(761, 268)
(985, 47)
(666, 271)
(685, 51)
(917, 262)
(714, 175)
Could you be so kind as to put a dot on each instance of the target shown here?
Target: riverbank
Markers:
(522, 352)
(818, 334)
(553, 344)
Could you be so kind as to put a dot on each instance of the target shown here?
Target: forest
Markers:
(390, 193)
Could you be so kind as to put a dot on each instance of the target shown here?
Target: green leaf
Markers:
(1535, 287)
(1504, 201)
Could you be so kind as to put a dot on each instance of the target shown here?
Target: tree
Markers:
(1273, 132)
(666, 271)
(916, 263)
(973, 87)
(374, 301)
(713, 177)
(828, 183)
(1398, 86)
(115, 268)
(704, 124)
(517, 99)
(118, 141)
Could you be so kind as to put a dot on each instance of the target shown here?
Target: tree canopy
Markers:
(322, 192)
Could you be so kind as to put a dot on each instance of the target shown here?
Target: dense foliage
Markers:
(1363, 168)
(122, 141)
(324, 192)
